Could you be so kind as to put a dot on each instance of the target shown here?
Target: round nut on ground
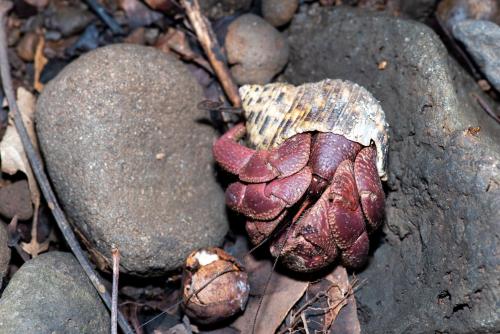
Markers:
(279, 12)
(215, 286)
(255, 49)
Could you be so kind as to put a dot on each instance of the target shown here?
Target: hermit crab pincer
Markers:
(309, 176)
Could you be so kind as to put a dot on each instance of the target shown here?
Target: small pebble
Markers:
(256, 50)
(217, 9)
(69, 20)
(13, 36)
(279, 12)
(451, 12)
(382, 65)
(151, 35)
(482, 41)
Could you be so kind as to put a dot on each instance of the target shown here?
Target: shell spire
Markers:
(278, 111)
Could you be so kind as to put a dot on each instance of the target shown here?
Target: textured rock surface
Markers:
(51, 294)
(128, 158)
(418, 9)
(256, 50)
(279, 12)
(15, 199)
(436, 267)
(4, 251)
(482, 40)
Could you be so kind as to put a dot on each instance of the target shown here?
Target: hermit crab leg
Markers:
(263, 201)
(344, 212)
(327, 152)
(369, 187)
(307, 244)
(261, 166)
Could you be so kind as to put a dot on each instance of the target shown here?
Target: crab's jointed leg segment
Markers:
(261, 166)
(370, 187)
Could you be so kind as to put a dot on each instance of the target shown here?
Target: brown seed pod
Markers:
(215, 286)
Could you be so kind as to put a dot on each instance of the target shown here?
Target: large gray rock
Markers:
(435, 269)
(482, 40)
(52, 295)
(129, 159)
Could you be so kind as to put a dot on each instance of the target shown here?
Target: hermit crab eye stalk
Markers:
(318, 149)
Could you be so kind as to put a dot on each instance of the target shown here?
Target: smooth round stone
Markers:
(52, 294)
(129, 158)
(279, 12)
(255, 50)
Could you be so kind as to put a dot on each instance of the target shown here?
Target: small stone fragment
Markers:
(52, 294)
(27, 46)
(255, 49)
(4, 251)
(451, 12)
(151, 35)
(216, 9)
(482, 41)
(15, 199)
(215, 286)
(279, 12)
(13, 35)
(69, 20)
(101, 154)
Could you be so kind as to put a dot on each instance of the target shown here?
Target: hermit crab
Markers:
(309, 176)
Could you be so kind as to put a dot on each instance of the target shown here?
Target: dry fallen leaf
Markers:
(176, 41)
(34, 247)
(326, 302)
(337, 294)
(347, 319)
(40, 62)
(281, 295)
(14, 159)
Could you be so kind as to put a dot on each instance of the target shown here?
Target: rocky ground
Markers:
(115, 108)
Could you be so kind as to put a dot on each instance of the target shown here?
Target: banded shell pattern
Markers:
(278, 111)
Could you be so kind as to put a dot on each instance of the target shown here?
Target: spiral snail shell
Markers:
(278, 111)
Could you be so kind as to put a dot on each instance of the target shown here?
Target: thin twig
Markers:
(115, 254)
(105, 17)
(486, 107)
(304, 322)
(41, 176)
(209, 43)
